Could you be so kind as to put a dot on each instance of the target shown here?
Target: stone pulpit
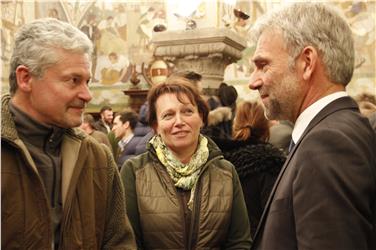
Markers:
(206, 51)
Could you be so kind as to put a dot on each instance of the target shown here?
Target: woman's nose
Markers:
(179, 119)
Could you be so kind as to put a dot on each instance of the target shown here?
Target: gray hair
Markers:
(37, 42)
(318, 25)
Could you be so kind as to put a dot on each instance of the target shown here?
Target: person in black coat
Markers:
(220, 119)
(257, 162)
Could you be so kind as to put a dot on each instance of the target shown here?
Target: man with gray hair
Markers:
(59, 188)
(325, 194)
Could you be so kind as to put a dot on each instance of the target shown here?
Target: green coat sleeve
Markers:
(129, 181)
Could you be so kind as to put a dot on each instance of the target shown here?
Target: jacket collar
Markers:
(34, 132)
(8, 128)
(71, 144)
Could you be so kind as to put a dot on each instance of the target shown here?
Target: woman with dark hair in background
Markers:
(256, 161)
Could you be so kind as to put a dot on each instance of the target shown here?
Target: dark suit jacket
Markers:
(325, 194)
(129, 151)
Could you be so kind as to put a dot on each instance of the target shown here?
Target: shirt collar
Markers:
(123, 142)
(309, 113)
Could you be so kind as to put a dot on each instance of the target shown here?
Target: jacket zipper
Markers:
(181, 201)
(182, 216)
(193, 234)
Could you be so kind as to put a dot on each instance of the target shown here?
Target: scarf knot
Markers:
(184, 176)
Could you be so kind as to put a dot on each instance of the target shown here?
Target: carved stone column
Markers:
(206, 51)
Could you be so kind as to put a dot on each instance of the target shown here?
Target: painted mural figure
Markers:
(112, 69)
(120, 21)
(110, 40)
(148, 20)
(90, 28)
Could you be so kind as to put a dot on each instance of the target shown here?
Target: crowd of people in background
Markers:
(295, 169)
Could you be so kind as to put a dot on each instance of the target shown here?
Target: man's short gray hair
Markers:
(318, 25)
(37, 43)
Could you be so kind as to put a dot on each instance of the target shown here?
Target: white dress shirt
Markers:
(309, 113)
(123, 142)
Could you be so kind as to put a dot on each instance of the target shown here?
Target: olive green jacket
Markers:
(93, 198)
(158, 213)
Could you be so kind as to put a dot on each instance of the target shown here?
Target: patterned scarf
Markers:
(185, 176)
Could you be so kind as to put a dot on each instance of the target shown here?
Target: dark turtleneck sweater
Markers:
(44, 145)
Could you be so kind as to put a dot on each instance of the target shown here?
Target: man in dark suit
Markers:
(325, 194)
(123, 128)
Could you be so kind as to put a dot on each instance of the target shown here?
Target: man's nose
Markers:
(85, 93)
(255, 81)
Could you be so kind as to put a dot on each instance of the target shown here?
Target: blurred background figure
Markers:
(123, 127)
(88, 127)
(367, 106)
(280, 134)
(194, 78)
(182, 186)
(257, 162)
(220, 118)
(143, 129)
(104, 124)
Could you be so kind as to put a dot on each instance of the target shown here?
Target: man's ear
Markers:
(24, 78)
(126, 124)
(309, 59)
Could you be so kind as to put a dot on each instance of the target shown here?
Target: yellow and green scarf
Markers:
(185, 176)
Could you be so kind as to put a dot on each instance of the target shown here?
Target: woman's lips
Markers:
(180, 133)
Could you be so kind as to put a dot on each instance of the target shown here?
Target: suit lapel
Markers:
(336, 105)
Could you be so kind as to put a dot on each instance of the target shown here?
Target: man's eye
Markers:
(261, 65)
(76, 80)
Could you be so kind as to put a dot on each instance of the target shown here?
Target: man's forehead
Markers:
(270, 43)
